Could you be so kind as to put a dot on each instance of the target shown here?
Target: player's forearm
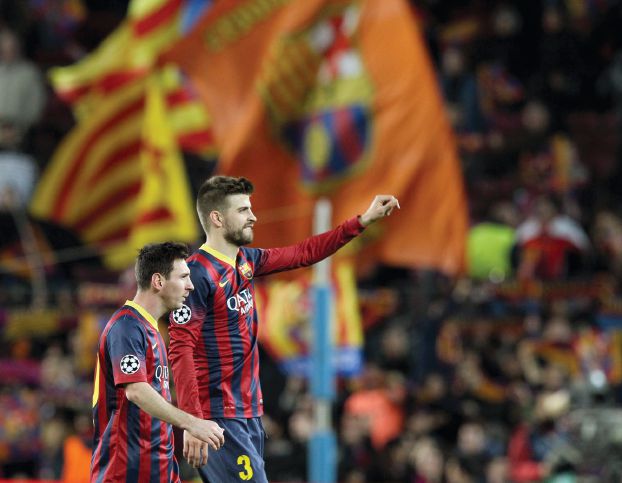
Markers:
(311, 250)
(321, 246)
(147, 399)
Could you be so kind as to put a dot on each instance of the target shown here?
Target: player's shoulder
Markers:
(251, 254)
(200, 275)
(249, 250)
(199, 261)
(123, 314)
(124, 319)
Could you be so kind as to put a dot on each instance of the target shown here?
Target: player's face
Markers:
(239, 220)
(177, 286)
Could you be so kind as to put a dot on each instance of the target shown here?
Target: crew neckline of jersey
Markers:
(221, 256)
(142, 311)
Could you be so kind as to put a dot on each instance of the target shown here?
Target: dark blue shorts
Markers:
(241, 457)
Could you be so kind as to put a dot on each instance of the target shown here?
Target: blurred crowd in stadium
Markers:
(510, 374)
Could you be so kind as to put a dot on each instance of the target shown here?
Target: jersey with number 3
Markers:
(213, 338)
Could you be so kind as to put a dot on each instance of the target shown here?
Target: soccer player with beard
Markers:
(132, 412)
(213, 337)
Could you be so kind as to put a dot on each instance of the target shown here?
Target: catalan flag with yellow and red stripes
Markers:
(129, 53)
(117, 179)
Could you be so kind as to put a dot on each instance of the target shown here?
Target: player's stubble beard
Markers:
(239, 237)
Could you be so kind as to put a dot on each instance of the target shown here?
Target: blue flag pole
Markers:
(322, 449)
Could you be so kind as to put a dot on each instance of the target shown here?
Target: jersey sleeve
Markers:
(126, 344)
(185, 332)
(307, 252)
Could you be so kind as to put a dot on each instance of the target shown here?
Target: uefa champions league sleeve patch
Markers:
(182, 315)
(129, 364)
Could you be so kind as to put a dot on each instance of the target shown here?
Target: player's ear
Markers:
(216, 218)
(157, 280)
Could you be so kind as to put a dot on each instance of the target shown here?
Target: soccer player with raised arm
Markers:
(132, 412)
(213, 337)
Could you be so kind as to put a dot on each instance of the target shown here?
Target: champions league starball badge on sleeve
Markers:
(129, 364)
(182, 315)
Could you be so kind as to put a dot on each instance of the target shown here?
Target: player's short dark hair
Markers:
(157, 258)
(213, 194)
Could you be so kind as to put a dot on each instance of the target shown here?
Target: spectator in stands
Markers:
(380, 402)
(428, 461)
(497, 471)
(471, 448)
(357, 453)
(490, 243)
(539, 449)
(77, 451)
(22, 98)
(607, 236)
(552, 245)
(561, 60)
(395, 349)
(504, 48)
(461, 92)
(18, 173)
(548, 159)
(392, 464)
(22, 92)
(458, 471)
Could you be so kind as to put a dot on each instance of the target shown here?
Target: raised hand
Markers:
(381, 206)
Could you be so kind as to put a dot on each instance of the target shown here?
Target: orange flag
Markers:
(335, 98)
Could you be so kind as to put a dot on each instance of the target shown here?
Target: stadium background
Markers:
(509, 371)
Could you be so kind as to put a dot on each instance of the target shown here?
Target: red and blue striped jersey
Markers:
(213, 337)
(129, 444)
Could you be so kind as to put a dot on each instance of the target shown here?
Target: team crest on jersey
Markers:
(129, 364)
(319, 96)
(245, 270)
(182, 315)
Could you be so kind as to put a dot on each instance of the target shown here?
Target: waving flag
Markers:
(335, 98)
(114, 184)
(117, 180)
(132, 52)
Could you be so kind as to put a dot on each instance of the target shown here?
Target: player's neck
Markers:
(150, 303)
(223, 246)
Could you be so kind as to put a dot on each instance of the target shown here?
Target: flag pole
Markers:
(322, 449)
